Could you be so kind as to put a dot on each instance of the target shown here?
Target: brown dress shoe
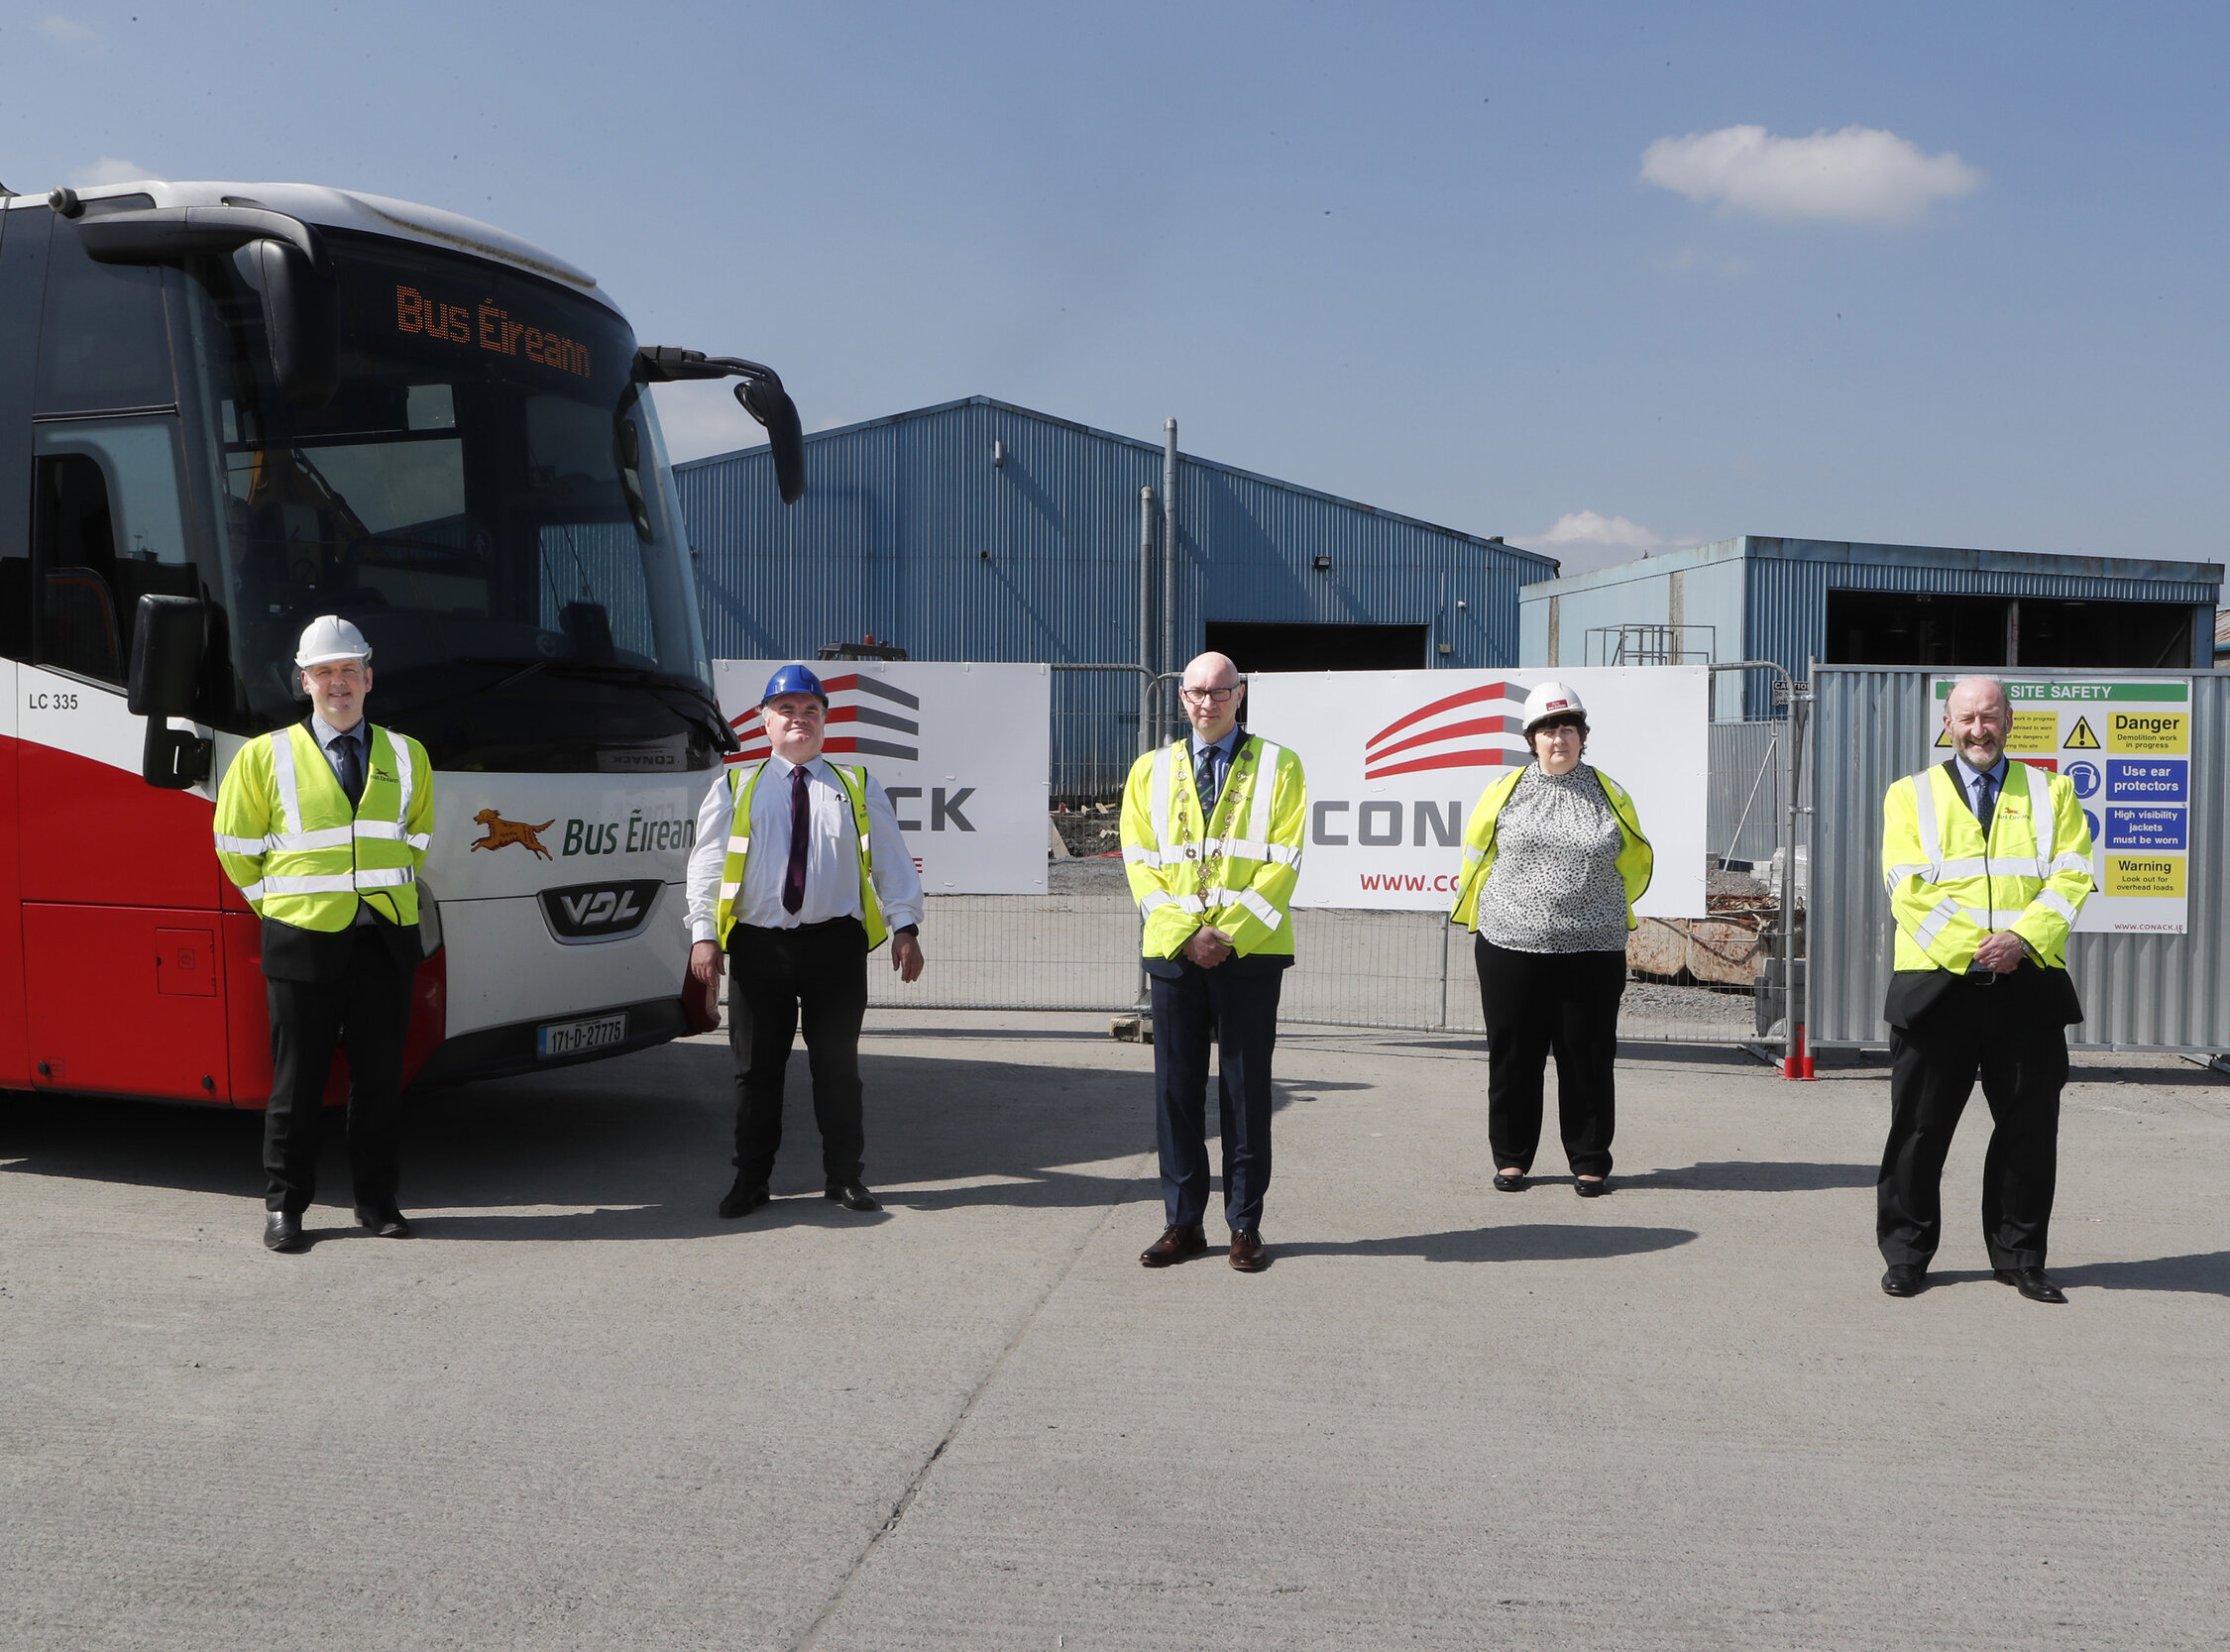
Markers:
(1177, 1243)
(1247, 1253)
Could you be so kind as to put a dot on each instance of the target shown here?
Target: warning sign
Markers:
(2137, 793)
(2147, 876)
(2161, 731)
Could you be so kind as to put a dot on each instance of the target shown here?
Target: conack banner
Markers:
(964, 750)
(1396, 759)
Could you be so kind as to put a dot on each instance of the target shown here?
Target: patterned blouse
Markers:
(1554, 886)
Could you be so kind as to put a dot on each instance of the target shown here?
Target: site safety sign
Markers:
(1396, 761)
(2126, 746)
(964, 751)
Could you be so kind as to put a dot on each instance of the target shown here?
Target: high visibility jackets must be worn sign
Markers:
(2126, 746)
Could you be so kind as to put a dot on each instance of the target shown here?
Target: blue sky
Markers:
(1594, 278)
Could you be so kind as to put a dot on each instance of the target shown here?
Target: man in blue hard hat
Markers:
(799, 872)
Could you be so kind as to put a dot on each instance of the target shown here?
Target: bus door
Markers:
(124, 986)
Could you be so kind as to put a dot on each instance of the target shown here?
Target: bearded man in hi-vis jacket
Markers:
(1987, 862)
(1212, 842)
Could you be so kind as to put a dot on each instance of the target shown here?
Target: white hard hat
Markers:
(330, 637)
(1552, 699)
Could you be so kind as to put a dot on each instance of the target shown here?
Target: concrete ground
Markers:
(581, 1411)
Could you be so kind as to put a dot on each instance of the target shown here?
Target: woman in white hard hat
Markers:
(1553, 861)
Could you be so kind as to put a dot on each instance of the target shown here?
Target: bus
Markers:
(228, 409)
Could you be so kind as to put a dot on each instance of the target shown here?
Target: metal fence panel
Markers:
(1748, 789)
(2159, 992)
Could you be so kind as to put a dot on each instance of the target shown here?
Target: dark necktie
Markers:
(801, 810)
(1207, 780)
(352, 767)
(1985, 800)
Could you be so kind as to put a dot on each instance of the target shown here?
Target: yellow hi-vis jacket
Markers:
(1949, 889)
(1637, 859)
(300, 854)
(1236, 872)
(740, 786)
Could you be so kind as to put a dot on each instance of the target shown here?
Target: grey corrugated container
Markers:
(1777, 607)
(2139, 991)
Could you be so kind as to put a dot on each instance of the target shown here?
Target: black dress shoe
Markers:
(387, 1221)
(852, 1196)
(1177, 1242)
(2033, 1283)
(1904, 1278)
(283, 1231)
(1504, 1182)
(1591, 1187)
(744, 1198)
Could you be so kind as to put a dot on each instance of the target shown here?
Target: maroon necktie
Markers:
(793, 880)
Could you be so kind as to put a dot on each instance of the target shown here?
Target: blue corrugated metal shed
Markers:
(1767, 599)
(909, 530)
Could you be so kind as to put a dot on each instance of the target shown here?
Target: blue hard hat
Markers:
(794, 679)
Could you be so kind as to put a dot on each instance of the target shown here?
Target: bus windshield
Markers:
(486, 496)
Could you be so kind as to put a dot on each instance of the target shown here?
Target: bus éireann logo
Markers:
(502, 834)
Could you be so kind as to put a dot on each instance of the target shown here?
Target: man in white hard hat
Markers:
(324, 825)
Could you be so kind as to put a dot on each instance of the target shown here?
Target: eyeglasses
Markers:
(1208, 697)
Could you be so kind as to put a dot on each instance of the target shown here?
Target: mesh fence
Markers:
(1076, 949)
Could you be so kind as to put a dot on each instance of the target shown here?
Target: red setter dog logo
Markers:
(502, 834)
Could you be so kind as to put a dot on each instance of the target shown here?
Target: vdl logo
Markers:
(590, 911)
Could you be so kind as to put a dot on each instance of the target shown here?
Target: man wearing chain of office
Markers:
(1212, 842)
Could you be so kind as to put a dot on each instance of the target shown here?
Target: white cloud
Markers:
(1581, 540)
(1589, 527)
(1858, 176)
(66, 30)
(109, 169)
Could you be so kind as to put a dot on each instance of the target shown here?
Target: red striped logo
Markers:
(865, 716)
(1467, 730)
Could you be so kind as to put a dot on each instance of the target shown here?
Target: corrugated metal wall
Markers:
(909, 531)
(1873, 725)
(1749, 768)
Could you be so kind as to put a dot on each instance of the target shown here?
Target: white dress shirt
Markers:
(832, 854)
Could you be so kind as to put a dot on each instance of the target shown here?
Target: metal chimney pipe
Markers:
(1146, 513)
(1169, 554)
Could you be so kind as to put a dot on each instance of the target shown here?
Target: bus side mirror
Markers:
(168, 638)
(771, 406)
(282, 258)
(301, 319)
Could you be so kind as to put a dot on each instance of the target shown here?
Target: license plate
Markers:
(570, 1038)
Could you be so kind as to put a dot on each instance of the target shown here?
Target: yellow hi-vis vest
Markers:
(1948, 888)
(740, 786)
(1237, 871)
(289, 838)
(1637, 859)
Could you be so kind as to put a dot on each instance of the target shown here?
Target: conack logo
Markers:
(1466, 730)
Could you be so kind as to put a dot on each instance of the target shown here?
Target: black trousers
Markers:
(1235, 1010)
(1542, 1003)
(816, 974)
(2009, 1034)
(364, 1009)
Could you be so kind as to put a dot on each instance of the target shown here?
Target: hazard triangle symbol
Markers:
(2080, 739)
(1942, 738)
